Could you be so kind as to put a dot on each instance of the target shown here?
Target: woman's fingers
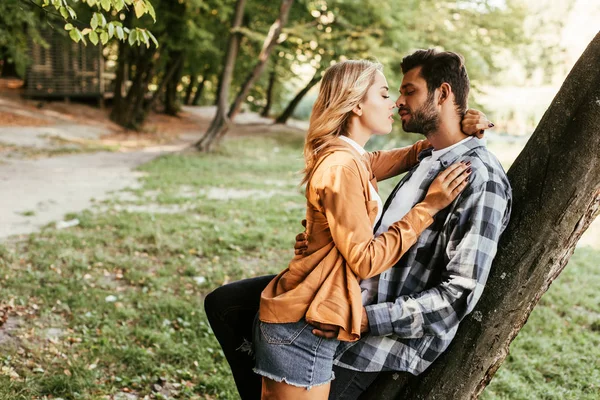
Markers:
(458, 169)
(444, 174)
(460, 187)
(327, 331)
(460, 179)
(474, 122)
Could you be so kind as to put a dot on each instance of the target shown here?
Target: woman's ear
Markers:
(445, 90)
(357, 110)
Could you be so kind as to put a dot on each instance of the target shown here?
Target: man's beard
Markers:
(424, 120)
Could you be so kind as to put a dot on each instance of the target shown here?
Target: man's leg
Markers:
(348, 384)
(231, 310)
(353, 385)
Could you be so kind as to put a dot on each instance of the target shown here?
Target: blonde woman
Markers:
(321, 286)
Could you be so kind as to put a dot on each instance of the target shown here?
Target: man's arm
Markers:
(478, 220)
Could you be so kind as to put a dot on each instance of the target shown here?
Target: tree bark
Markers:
(190, 89)
(289, 110)
(556, 195)
(220, 120)
(272, 77)
(120, 76)
(171, 81)
(199, 90)
(131, 111)
(8, 69)
(218, 129)
(263, 57)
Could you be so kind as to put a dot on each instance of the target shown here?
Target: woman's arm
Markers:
(341, 196)
(389, 163)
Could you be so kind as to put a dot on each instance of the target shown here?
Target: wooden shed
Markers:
(65, 69)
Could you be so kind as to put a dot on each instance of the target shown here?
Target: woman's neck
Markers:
(359, 134)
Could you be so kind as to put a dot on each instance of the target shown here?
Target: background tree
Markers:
(556, 188)
(220, 123)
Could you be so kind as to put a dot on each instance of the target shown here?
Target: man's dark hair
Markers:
(438, 67)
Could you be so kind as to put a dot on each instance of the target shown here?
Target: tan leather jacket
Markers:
(322, 284)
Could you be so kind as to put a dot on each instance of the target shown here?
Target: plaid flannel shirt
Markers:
(422, 299)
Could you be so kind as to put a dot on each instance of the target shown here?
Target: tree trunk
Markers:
(120, 76)
(556, 189)
(190, 89)
(263, 57)
(289, 110)
(199, 90)
(131, 112)
(8, 69)
(220, 120)
(171, 79)
(267, 109)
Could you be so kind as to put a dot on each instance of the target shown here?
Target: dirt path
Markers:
(40, 181)
(37, 192)
(36, 189)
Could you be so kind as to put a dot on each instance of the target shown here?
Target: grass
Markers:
(114, 305)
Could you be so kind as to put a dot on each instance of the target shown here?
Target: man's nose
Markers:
(400, 102)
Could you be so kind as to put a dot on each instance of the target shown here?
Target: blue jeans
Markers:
(231, 310)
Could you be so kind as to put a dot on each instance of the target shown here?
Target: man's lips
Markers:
(403, 113)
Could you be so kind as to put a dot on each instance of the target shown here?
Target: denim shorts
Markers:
(291, 353)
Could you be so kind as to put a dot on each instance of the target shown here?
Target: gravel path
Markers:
(34, 193)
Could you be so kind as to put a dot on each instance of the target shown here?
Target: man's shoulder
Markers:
(487, 169)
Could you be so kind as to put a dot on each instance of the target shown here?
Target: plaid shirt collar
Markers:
(453, 154)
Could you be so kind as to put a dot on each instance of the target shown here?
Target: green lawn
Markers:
(114, 305)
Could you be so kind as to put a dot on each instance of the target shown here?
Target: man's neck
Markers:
(446, 135)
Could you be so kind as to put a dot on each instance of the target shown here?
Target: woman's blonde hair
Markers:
(343, 86)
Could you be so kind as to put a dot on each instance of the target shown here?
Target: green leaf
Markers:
(140, 8)
(72, 12)
(93, 36)
(120, 33)
(104, 37)
(68, 27)
(111, 30)
(64, 13)
(151, 11)
(75, 35)
(105, 4)
(153, 38)
(132, 37)
(119, 4)
(145, 38)
(102, 20)
(94, 21)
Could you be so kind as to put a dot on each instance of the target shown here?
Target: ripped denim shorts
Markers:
(291, 353)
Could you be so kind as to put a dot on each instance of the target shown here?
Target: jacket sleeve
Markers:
(473, 233)
(389, 163)
(342, 199)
